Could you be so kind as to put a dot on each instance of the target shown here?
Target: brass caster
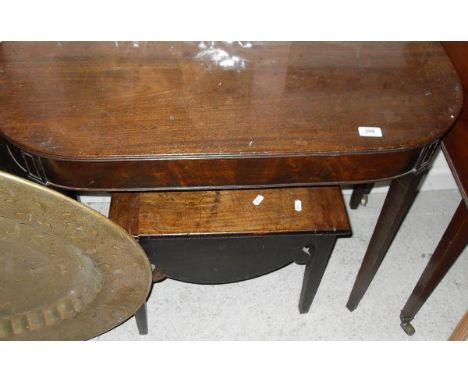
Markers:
(364, 200)
(408, 328)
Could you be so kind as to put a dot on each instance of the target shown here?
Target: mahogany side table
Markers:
(173, 116)
(217, 237)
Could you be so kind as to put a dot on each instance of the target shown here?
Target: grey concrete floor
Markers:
(265, 308)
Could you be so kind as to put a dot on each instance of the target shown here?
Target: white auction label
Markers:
(366, 131)
(298, 205)
(258, 200)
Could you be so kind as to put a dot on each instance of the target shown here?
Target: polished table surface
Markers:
(169, 116)
(142, 116)
(455, 144)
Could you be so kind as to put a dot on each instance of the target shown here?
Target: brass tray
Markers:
(66, 271)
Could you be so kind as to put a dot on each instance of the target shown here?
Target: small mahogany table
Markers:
(217, 237)
(172, 116)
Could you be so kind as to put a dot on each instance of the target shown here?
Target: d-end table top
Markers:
(455, 144)
(107, 100)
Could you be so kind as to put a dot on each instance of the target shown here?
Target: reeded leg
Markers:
(141, 318)
(314, 271)
(400, 196)
(360, 191)
(449, 248)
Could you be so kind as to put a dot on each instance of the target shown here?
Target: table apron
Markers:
(219, 173)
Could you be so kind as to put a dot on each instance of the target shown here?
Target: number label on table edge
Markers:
(367, 131)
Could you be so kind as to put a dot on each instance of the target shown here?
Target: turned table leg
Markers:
(400, 196)
(449, 248)
(360, 192)
(314, 270)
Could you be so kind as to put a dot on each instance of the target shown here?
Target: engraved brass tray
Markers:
(66, 271)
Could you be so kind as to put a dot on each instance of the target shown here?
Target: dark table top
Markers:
(122, 102)
(455, 144)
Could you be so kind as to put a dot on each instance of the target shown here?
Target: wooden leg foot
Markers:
(141, 318)
(460, 333)
(447, 252)
(314, 270)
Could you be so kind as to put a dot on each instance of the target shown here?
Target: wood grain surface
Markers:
(151, 100)
(160, 116)
(124, 211)
(460, 333)
(233, 211)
